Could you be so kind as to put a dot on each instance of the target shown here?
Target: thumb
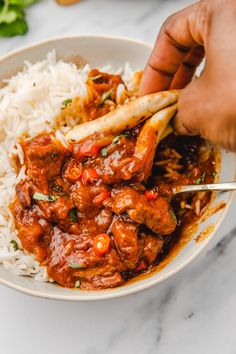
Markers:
(192, 103)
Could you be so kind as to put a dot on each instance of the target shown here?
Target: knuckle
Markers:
(167, 25)
(203, 19)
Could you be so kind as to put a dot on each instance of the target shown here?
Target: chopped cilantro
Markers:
(15, 245)
(72, 215)
(105, 96)
(117, 138)
(76, 266)
(47, 198)
(104, 152)
(77, 284)
(200, 179)
(94, 78)
(66, 102)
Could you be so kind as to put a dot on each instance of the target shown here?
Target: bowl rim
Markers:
(125, 290)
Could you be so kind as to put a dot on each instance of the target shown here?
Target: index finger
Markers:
(179, 34)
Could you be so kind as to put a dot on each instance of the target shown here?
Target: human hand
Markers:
(207, 106)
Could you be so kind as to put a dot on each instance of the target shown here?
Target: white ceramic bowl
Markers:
(100, 51)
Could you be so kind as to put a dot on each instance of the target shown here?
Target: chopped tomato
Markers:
(87, 150)
(89, 175)
(151, 195)
(73, 171)
(101, 244)
(99, 199)
(142, 265)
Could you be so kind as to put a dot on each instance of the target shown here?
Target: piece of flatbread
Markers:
(160, 122)
(124, 117)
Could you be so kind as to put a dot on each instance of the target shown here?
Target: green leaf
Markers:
(15, 245)
(18, 27)
(9, 14)
(47, 198)
(76, 266)
(77, 284)
(93, 78)
(22, 3)
(72, 215)
(8, 17)
(104, 152)
(117, 138)
(105, 96)
(200, 179)
(66, 102)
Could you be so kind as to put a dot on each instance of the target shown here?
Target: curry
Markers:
(96, 216)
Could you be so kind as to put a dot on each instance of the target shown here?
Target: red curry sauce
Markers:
(85, 214)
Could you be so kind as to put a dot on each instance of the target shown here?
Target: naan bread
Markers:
(126, 116)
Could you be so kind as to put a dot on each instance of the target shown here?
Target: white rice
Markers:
(29, 103)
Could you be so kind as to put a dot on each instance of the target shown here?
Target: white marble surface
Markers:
(193, 313)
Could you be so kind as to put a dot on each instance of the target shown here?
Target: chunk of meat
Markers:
(23, 192)
(110, 167)
(105, 84)
(29, 228)
(67, 249)
(73, 170)
(103, 282)
(151, 247)
(104, 219)
(157, 214)
(83, 196)
(126, 239)
(44, 159)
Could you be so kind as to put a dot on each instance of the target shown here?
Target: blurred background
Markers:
(139, 19)
(192, 313)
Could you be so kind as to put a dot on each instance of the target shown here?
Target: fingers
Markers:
(188, 67)
(191, 110)
(179, 34)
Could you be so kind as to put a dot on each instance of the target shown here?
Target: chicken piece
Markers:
(83, 196)
(29, 229)
(44, 160)
(23, 192)
(103, 282)
(151, 247)
(157, 214)
(126, 239)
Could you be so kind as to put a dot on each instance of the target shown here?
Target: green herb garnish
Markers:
(47, 198)
(66, 102)
(117, 138)
(12, 17)
(104, 152)
(72, 215)
(105, 96)
(93, 78)
(214, 173)
(77, 284)
(76, 266)
(15, 245)
(200, 179)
